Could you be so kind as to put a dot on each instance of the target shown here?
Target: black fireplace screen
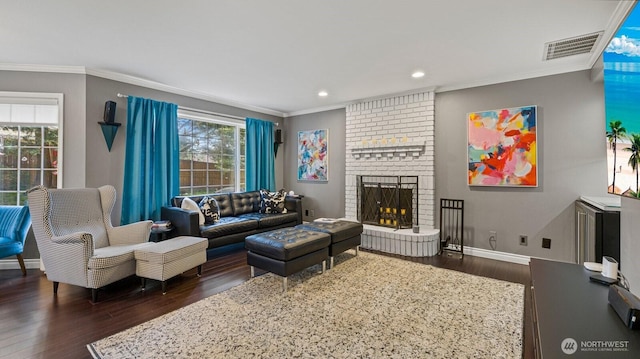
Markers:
(389, 201)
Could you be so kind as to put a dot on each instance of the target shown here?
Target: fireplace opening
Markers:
(388, 201)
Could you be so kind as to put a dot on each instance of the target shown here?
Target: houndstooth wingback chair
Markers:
(77, 242)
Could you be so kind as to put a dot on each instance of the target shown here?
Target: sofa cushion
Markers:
(225, 205)
(287, 243)
(339, 230)
(245, 202)
(210, 210)
(267, 220)
(112, 256)
(189, 205)
(272, 202)
(228, 225)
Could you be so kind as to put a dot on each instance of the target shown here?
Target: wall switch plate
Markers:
(523, 240)
(546, 243)
(312, 213)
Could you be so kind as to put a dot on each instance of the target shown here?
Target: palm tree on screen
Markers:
(617, 132)
(634, 159)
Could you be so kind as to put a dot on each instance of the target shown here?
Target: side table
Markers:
(159, 234)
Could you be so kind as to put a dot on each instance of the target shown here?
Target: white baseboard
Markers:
(13, 263)
(500, 256)
(476, 252)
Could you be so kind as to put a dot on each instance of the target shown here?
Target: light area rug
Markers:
(367, 306)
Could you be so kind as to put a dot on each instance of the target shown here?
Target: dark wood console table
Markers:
(567, 305)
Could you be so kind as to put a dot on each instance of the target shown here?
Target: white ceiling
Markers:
(276, 55)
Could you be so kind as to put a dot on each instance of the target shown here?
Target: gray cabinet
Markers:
(597, 233)
(565, 304)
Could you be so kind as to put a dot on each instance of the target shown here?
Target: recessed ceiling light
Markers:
(323, 94)
(417, 74)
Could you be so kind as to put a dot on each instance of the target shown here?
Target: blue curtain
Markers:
(152, 162)
(260, 170)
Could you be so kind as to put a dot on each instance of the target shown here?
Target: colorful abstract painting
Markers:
(313, 160)
(502, 147)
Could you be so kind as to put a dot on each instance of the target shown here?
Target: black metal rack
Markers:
(452, 225)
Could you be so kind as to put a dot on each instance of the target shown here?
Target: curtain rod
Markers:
(202, 111)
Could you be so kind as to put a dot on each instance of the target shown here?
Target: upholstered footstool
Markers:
(344, 235)
(165, 260)
(286, 251)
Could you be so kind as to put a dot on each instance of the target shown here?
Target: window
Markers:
(212, 153)
(30, 144)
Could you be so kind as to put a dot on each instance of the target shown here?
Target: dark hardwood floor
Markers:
(37, 324)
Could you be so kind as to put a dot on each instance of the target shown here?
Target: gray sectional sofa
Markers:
(239, 217)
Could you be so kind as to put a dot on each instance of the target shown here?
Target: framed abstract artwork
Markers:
(313, 155)
(502, 148)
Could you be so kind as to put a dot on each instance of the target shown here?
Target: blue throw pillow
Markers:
(209, 207)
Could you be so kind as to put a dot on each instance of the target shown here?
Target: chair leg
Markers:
(21, 261)
(94, 295)
(55, 287)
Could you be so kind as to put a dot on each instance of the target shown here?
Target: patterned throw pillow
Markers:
(210, 209)
(272, 202)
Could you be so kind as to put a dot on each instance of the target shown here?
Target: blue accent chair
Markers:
(14, 225)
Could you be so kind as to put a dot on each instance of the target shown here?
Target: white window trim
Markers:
(42, 98)
(198, 115)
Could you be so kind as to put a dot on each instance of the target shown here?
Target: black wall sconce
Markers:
(277, 141)
(109, 127)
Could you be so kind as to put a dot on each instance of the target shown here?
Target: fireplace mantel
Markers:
(413, 148)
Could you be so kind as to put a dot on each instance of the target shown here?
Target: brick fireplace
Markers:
(394, 137)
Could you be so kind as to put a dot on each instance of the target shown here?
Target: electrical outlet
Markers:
(546, 243)
(306, 213)
(312, 213)
(523, 240)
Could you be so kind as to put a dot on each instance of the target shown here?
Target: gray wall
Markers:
(571, 155)
(87, 161)
(73, 87)
(74, 156)
(325, 198)
(104, 167)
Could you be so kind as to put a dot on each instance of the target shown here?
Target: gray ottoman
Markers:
(286, 251)
(166, 259)
(344, 235)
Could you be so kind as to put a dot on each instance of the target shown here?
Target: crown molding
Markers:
(517, 77)
(315, 110)
(43, 68)
(366, 99)
(133, 80)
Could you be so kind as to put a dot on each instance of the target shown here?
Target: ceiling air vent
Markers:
(569, 47)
